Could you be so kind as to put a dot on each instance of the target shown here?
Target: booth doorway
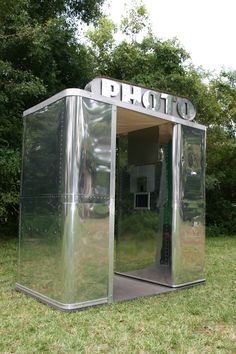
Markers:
(143, 207)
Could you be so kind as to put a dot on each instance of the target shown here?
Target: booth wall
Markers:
(64, 230)
(188, 227)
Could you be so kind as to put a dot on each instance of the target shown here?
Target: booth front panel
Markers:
(65, 202)
(188, 238)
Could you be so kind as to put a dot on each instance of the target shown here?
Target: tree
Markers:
(136, 21)
(221, 147)
(102, 43)
(166, 66)
(40, 54)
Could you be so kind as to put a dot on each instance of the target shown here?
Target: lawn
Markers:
(201, 319)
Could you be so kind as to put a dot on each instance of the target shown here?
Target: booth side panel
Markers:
(85, 251)
(41, 208)
(188, 206)
(65, 203)
(86, 186)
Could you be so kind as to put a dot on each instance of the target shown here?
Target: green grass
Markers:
(197, 320)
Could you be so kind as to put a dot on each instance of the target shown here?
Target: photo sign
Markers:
(139, 96)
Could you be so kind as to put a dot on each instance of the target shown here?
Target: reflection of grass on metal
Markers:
(135, 252)
(137, 240)
(190, 247)
(91, 259)
(46, 268)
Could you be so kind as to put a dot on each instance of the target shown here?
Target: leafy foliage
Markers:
(9, 176)
(165, 65)
(135, 21)
(39, 56)
(16, 87)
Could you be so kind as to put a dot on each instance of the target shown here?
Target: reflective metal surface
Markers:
(152, 100)
(65, 203)
(112, 205)
(188, 205)
(42, 151)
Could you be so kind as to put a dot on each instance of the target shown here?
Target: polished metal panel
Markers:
(87, 154)
(65, 202)
(42, 151)
(188, 205)
(112, 205)
(57, 304)
(85, 251)
(40, 245)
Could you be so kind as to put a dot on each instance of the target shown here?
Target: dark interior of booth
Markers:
(143, 208)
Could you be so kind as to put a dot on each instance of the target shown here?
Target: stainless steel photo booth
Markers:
(112, 196)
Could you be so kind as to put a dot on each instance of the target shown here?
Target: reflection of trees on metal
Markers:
(42, 151)
(192, 169)
(165, 204)
(94, 169)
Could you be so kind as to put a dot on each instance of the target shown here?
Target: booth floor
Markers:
(157, 274)
(126, 288)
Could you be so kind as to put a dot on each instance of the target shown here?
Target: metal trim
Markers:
(57, 304)
(204, 198)
(195, 282)
(144, 279)
(96, 97)
(112, 204)
(175, 189)
(160, 283)
(177, 217)
(20, 203)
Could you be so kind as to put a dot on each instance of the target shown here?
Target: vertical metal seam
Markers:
(68, 241)
(112, 204)
(175, 186)
(204, 195)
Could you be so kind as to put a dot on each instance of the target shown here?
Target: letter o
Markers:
(151, 100)
(186, 109)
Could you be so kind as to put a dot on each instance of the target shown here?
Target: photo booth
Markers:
(112, 196)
